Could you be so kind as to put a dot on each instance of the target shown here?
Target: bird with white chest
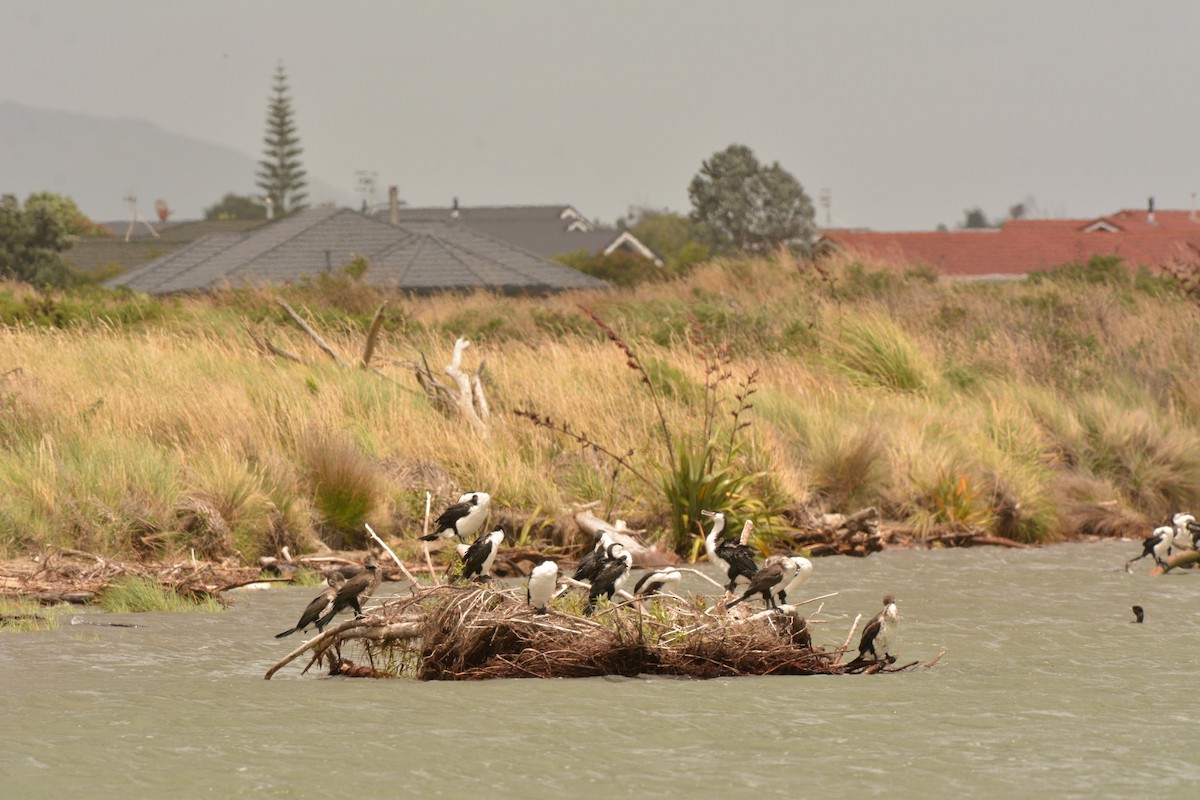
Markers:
(880, 634)
(478, 560)
(1158, 545)
(462, 520)
(656, 581)
(804, 569)
(543, 581)
(734, 559)
(776, 573)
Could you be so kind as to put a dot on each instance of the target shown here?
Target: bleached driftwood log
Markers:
(471, 401)
(653, 556)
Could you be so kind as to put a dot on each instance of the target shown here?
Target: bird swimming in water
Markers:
(543, 580)
(1158, 545)
(317, 606)
(777, 572)
(479, 556)
(463, 520)
(610, 579)
(655, 581)
(354, 592)
(880, 633)
(734, 559)
(1138, 614)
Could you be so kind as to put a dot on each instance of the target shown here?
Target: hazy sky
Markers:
(909, 112)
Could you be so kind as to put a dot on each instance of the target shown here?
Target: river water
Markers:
(1046, 690)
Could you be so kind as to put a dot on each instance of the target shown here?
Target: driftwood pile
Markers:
(469, 633)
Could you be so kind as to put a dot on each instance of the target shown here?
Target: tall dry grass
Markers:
(1016, 408)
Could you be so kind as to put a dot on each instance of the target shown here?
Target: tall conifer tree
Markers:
(280, 174)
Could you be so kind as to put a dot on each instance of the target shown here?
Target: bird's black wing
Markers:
(642, 581)
(588, 566)
(346, 596)
(740, 559)
(867, 642)
(476, 554)
(448, 520)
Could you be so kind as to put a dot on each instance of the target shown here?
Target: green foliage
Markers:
(618, 268)
(280, 173)
(357, 267)
(706, 478)
(874, 352)
(236, 206)
(78, 308)
(974, 219)
(31, 242)
(74, 221)
(674, 237)
(345, 488)
(132, 594)
(19, 615)
(744, 207)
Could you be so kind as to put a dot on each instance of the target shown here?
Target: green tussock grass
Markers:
(133, 594)
(145, 428)
(18, 615)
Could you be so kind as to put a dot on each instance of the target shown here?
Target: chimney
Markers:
(454, 209)
(394, 203)
(1192, 216)
(1150, 210)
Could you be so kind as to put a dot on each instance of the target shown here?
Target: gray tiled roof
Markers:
(423, 257)
(545, 230)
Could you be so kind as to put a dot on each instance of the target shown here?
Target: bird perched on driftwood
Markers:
(1158, 545)
(317, 606)
(804, 568)
(776, 573)
(463, 520)
(543, 580)
(354, 592)
(589, 565)
(734, 559)
(1187, 531)
(611, 577)
(655, 581)
(479, 557)
(880, 633)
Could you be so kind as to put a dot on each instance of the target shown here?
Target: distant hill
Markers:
(100, 160)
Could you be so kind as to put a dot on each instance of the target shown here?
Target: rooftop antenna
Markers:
(135, 217)
(826, 200)
(367, 181)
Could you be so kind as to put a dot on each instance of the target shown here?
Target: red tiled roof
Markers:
(1022, 246)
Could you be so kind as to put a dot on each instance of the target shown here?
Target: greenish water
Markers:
(1046, 690)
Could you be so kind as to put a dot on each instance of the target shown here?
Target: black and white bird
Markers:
(589, 565)
(804, 569)
(655, 581)
(318, 606)
(354, 592)
(462, 520)
(543, 581)
(880, 633)
(734, 559)
(776, 573)
(1158, 545)
(1187, 531)
(479, 557)
(611, 577)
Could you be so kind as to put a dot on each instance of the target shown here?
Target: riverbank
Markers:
(149, 431)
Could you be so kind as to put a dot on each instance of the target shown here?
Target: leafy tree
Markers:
(746, 207)
(236, 206)
(31, 242)
(280, 174)
(75, 222)
(672, 236)
(974, 218)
